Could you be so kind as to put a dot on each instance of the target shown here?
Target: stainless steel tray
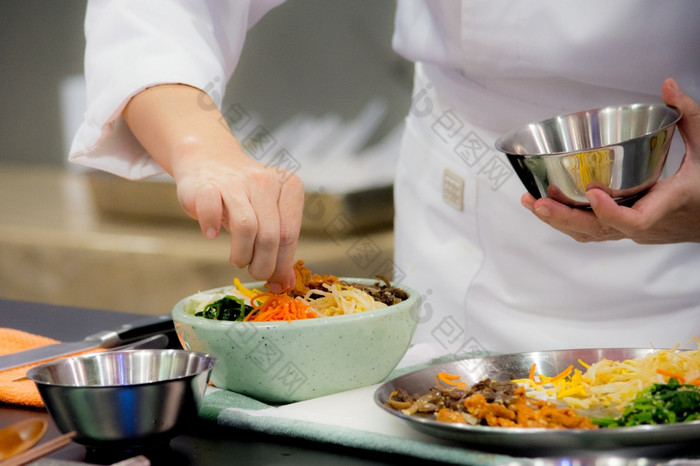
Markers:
(539, 441)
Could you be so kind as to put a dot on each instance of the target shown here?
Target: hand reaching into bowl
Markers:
(668, 213)
(218, 184)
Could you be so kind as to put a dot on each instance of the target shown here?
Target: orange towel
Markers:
(23, 392)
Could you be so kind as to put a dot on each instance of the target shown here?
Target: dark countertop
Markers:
(203, 444)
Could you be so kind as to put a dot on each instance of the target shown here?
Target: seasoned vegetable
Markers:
(384, 293)
(227, 308)
(608, 384)
(270, 307)
(487, 403)
(340, 299)
(313, 296)
(659, 404)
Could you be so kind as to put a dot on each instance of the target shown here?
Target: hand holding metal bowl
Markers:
(621, 150)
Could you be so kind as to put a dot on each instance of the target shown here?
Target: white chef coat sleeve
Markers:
(134, 44)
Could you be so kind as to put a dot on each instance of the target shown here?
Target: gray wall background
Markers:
(41, 42)
(313, 56)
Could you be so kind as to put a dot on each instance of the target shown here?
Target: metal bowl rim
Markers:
(209, 359)
(500, 142)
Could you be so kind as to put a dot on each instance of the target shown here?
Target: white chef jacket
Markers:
(132, 45)
(492, 276)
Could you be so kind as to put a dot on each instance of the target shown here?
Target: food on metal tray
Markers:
(486, 403)
(662, 387)
(313, 296)
(659, 404)
(608, 384)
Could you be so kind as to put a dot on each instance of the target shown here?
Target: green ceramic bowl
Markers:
(283, 362)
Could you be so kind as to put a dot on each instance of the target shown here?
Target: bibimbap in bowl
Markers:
(328, 335)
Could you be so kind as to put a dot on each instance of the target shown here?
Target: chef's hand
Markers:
(668, 213)
(217, 184)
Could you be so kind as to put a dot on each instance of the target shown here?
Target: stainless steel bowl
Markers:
(620, 149)
(124, 398)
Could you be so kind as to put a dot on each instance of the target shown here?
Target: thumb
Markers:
(689, 125)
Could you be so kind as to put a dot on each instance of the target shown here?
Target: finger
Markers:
(542, 208)
(610, 213)
(208, 208)
(243, 227)
(291, 207)
(528, 201)
(634, 221)
(581, 224)
(690, 110)
(264, 197)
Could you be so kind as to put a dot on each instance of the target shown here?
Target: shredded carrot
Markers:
(695, 382)
(670, 374)
(562, 374)
(452, 379)
(532, 372)
(272, 307)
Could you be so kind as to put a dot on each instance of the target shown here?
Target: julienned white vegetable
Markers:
(608, 383)
(338, 299)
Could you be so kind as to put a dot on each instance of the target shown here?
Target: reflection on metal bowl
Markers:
(621, 150)
(123, 399)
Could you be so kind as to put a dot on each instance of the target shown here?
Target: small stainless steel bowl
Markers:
(124, 399)
(619, 149)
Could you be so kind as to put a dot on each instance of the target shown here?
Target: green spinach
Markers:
(227, 308)
(658, 404)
